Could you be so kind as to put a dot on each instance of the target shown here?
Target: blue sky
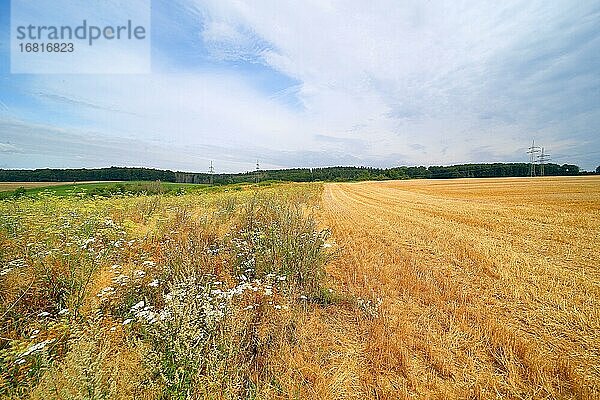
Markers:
(318, 83)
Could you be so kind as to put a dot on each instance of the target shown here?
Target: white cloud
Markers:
(183, 108)
(425, 72)
(380, 83)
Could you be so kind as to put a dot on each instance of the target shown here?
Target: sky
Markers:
(322, 83)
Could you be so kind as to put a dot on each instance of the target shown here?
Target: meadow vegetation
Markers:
(96, 189)
(158, 296)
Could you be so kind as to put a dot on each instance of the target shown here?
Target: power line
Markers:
(211, 171)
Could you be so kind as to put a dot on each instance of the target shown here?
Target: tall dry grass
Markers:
(193, 296)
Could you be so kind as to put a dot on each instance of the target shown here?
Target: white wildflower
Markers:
(154, 283)
(36, 347)
(138, 306)
(149, 315)
(138, 273)
(87, 242)
(127, 321)
(121, 279)
(164, 315)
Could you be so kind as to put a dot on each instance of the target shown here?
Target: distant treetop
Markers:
(339, 174)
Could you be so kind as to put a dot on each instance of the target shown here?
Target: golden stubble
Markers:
(490, 287)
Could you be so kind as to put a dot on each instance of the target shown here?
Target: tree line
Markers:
(331, 174)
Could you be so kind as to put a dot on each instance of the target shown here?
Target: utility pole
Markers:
(532, 151)
(256, 177)
(543, 158)
(211, 171)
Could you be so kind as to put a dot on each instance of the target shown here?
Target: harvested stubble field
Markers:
(444, 289)
(490, 287)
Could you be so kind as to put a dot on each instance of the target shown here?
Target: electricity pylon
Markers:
(532, 151)
(256, 177)
(211, 172)
(543, 158)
